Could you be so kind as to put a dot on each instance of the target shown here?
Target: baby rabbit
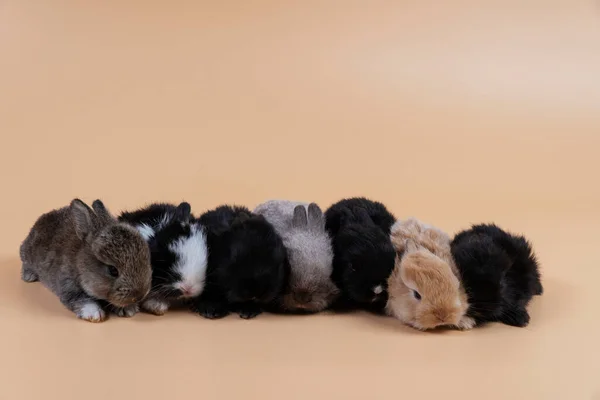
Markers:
(178, 250)
(86, 257)
(302, 228)
(247, 263)
(363, 253)
(500, 273)
(424, 291)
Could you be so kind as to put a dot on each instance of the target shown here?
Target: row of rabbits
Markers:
(283, 257)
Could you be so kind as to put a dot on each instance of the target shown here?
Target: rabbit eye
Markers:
(417, 295)
(112, 271)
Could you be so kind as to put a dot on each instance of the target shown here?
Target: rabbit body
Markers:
(424, 289)
(500, 272)
(247, 263)
(89, 260)
(363, 253)
(302, 229)
(178, 250)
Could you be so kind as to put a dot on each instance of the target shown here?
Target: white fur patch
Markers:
(165, 220)
(146, 231)
(466, 323)
(192, 255)
(377, 289)
(91, 312)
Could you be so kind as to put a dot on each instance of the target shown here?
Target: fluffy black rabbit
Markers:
(363, 253)
(247, 263)
(500, 273)
(178, 252)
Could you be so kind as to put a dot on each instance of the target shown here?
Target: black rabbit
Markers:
(247, 263)
(363, 253)
(500, 273)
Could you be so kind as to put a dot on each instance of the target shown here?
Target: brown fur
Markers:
(424, 264)
(70, 250)
(429, 237)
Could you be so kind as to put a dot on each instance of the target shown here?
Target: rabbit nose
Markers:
(187, 290)
(441, 315)
(133, 299)
(303, 297)
(137, 296)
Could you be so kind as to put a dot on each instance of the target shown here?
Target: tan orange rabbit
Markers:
(424, 290)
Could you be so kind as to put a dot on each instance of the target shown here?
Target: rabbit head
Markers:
(254, 268)
(114, 263)
(366, 256)
(310, 288)
(424, 290)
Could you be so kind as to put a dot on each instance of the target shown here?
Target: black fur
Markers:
(247, 263)
(499, 272)
(170, 223)
(153, 214)
(363, 252)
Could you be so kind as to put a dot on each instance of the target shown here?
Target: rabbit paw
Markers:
(91, 312)
(128, 311)
(515, 317)
(211, 310)
(155, 307)
(466, 323)
(28, 275)
(249, 311)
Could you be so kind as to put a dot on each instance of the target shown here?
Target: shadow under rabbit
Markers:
(557, 303)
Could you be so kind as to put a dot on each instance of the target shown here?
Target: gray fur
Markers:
(302, 228)
(69, 251)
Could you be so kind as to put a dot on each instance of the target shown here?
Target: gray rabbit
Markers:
(87, 258)
(302, 228)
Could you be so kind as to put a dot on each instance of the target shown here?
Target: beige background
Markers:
(455, 112)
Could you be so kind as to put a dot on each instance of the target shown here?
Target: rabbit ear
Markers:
(83, 218)
(183, 212)
(104, 216)
(300, 219)
(345, 216)
(364, 217)
(316, 220)
(410, 246)
(240, 219)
